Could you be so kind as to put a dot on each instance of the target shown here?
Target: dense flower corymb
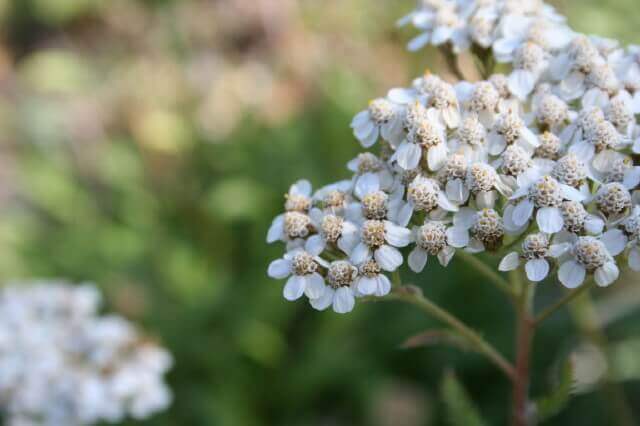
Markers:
(63, 364)
(542, 158)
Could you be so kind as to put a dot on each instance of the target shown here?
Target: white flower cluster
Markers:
(542, 159)
(63, 365)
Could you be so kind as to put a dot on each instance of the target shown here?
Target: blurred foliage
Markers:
(146, 146)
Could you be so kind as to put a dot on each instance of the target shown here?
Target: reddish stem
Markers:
(521, 380)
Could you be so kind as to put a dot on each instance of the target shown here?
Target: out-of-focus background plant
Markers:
(146, 145)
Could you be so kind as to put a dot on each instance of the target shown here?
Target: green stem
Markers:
(571, 295)
(415, 297)
(494, 277)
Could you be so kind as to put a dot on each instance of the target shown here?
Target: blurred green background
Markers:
(146, 146)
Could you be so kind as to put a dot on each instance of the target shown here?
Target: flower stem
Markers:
(451, 60)
(494, 277)
(524, 340)
(414, 296)
(560, 303)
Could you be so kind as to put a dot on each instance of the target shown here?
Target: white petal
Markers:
(366, 184)
(315, 245)
(384, 285)
(486, 199)
(537, 269)
(606, 274)
(594, 225)
(389, 258)
(465, 217)
(509, 262)
(367, 285)
(615, 241)
(418, 42)
(445, 255)
(408, 155)
(343, 301)
(324, 301)
(522, 212)
(364, 130)
(632, 178)
(521, 83)
(404, 215)
(301, 187)
(571, 274)
(445, 204)
(437, 156)
(276, 229)
(315, 286)
(348, 241)
(401, 95)
(280, 268)
(572, 194)
(550, 220)
(361, 119)
(396, 235)
(369, 140)
(557, 250)
(441, 35)
(417, 259)
(583, 150)
(294, 288)
(458, 236)
(360, 254)
(457, 191)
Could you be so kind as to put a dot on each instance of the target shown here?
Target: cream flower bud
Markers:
(546, 192)
(341, 273)
(613, 199)
(381, 111)
(481, 177)
(570, 171)
(488, 228)
(549, 146)
(432, 237)
(423, 193)
(515, 161)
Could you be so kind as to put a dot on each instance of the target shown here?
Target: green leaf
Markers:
(552, 404)
(461, 411)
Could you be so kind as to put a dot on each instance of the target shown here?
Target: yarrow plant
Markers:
(64, 365)
(536, 164)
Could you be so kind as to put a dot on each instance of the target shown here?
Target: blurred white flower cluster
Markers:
(63, 365)
(538, 164)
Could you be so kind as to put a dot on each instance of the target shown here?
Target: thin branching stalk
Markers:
(452, 61)
(570, 296)
(415, 297)
(494, 277)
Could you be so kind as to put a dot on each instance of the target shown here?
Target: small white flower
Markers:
(379, 239)
(543, 195)
(371, 280)
(590, 255)
(431, 240)
(382, 118)
(339, 291)
(476, 230)
(425, 134)
(509, 129)
(301, 267)
(424, 194)
(536, 251)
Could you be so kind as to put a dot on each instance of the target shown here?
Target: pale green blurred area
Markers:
(146, 146)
